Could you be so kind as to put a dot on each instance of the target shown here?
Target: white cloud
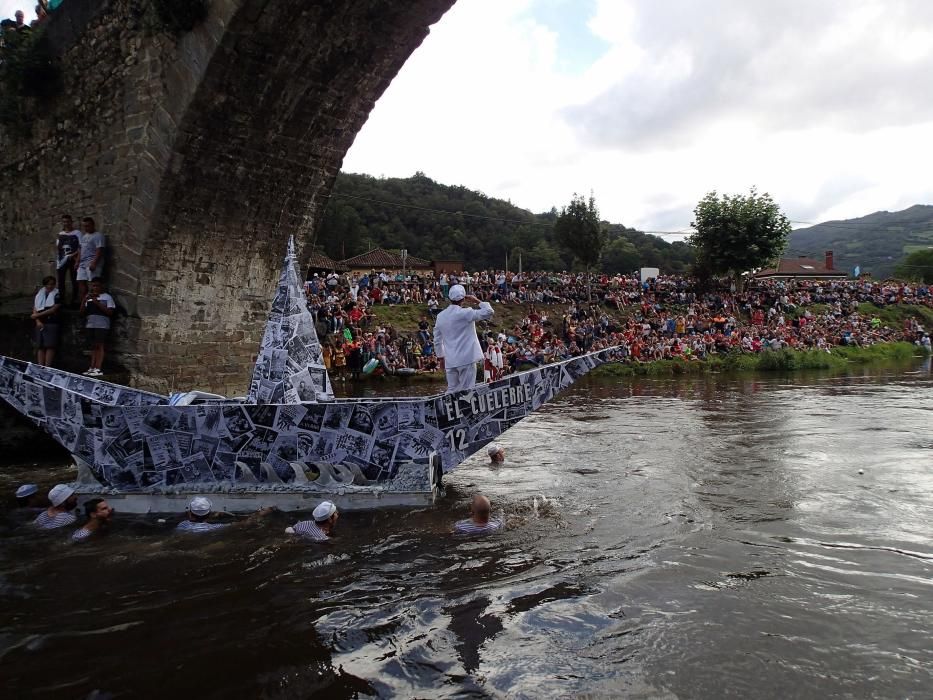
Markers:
(9, 7)
(822, 104)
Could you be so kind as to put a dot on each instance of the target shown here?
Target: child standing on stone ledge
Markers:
(97, 306)
(45, 311)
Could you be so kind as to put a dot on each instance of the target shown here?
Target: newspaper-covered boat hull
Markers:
(287, 439)
(129, 441)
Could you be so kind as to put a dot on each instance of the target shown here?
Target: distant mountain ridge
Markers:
(875, 243)
(448, 222)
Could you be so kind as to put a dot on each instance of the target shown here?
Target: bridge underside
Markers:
(198, 155)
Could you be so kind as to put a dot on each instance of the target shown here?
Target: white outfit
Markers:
(90, 244)
(460, 378)
(95, 319)
(455, 340)
(45, 300)
(494, 358)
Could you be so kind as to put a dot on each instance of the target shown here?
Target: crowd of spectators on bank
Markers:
(662, 318)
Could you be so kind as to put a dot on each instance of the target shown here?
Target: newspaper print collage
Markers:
(290, 367)
(134, 441)
(287, 429)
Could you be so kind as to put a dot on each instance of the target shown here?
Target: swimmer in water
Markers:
(63, 500)
(200, 509)
(99, 514)
(28, 497)
(321, 529)
(480, 522)
(496, 453)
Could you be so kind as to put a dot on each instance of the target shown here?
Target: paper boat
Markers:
(288, 443)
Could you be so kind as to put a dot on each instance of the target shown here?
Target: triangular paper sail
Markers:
(290, 368)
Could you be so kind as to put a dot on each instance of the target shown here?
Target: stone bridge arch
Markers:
(197, 154)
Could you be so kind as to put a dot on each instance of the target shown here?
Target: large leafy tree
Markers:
(917, 267)
(544, 256)
(737, 233)
(579, 230)
(621, 256)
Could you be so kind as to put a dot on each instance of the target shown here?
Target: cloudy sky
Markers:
(649, 104)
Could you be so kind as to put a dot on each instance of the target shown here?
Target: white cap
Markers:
(200, 505)
(456, 293)
(492, 449)
(324, 510)
(59, 494)
(26, 490)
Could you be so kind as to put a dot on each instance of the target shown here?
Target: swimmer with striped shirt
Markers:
(200, 510)
(321, 528)
(480, 522)
(99, 515)
(63, 500)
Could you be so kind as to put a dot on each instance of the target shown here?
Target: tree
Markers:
(421, 215)
(544, 256)
(579, 230)
(621, 257)
(737, 233)
(917, 267)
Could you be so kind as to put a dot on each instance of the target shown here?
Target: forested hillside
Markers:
(875, 242)
(437, 221)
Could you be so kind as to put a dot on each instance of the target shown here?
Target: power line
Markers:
(856, 225)
(686, 231)
(341, 195)
(837, 224)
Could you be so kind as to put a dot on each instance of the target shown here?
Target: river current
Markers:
(724, 536)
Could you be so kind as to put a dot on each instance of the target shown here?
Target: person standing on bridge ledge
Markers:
(98, 307)
(455, 341)
(91, 259)
(68, 249)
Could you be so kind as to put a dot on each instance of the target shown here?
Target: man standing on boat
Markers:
(455, 341)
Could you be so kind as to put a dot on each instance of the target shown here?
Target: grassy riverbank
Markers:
(839, 358)
(770, 361)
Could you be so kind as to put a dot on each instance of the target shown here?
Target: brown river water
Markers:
(726, 536)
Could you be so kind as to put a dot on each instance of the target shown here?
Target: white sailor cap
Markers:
(323, 512)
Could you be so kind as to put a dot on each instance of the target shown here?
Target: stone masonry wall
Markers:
(198, 155)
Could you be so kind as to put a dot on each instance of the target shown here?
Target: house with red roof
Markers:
(802, 268)
(380, 259)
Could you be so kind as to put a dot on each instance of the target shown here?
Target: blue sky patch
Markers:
(577, 47)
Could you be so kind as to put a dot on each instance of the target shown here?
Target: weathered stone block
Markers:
(198, 155)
